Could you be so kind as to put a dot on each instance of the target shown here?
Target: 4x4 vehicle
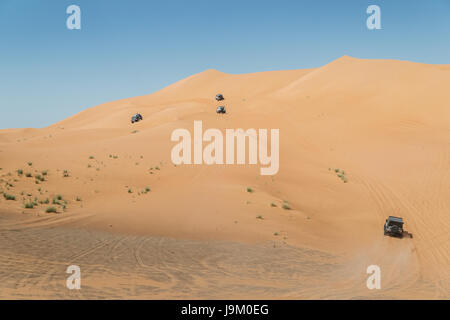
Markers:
(221, 109)
(393, 226)
(219, 97)
(137, 117)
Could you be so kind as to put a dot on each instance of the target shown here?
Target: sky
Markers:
(128, 48)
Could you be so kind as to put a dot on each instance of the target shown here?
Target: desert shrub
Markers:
(9, 196)
(286, 206)
(51, 210)
(29, 205)
(273, 204)
(28, 175)
(20, 172)
(44, 172)
(260, 217)
(57, 199)
(249, 190)
(65, 173)
(30, 163)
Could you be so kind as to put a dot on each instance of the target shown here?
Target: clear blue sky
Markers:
(136, 47)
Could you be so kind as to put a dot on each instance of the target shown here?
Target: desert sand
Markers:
(141, 227)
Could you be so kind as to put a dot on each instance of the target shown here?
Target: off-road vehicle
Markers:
(221, 109)
(137, 117)
(393, 226)
(219, 97)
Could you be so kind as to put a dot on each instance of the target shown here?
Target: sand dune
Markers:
(385, 123)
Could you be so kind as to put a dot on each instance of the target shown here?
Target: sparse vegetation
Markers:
(30, 163)
(130, 191)
(341, 175)
(44, 172)
(273, 204)
(134, 131)
(51, 210)
(249, 190)
(91, 157)
(39, 177)
(57, 199)
(66, 174)
(147, 189)
(78, 199)
(260, 217)
(29, 205)
(19, 172)
(286, 206)
(9, 196)
(46, 201)
(28, 175)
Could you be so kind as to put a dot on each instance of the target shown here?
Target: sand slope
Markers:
(385, 123)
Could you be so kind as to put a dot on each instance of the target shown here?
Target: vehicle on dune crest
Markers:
(221, 109)
(394, 226)
(136, 118)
